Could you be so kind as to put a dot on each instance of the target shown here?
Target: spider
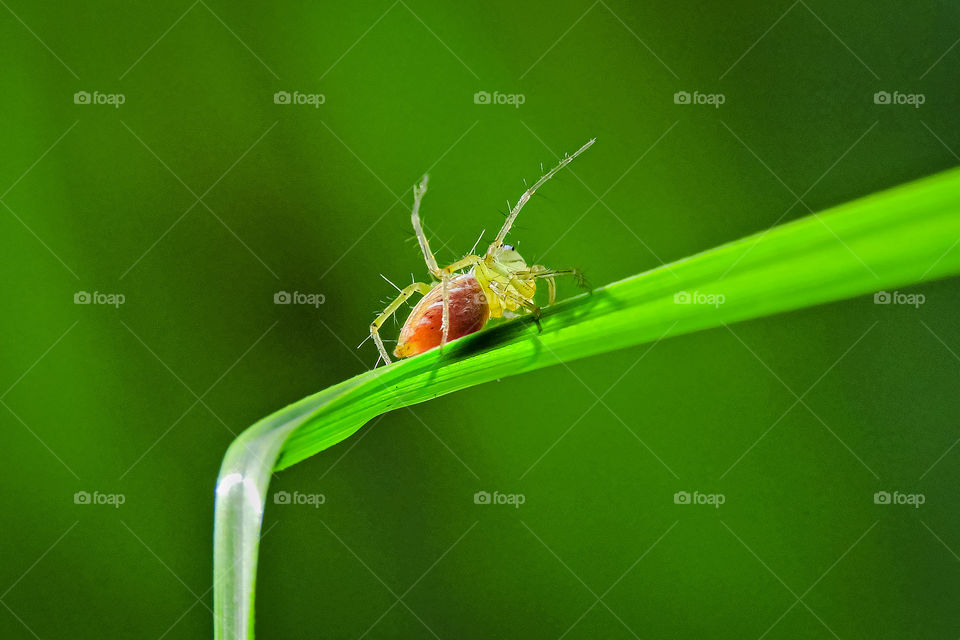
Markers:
(465, 295)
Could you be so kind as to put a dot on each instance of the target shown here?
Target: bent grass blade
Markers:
(892, 239)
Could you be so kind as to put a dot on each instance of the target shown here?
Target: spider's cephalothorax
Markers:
(467, 293)
(505, 279)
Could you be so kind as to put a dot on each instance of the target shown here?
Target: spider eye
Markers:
(508, 247)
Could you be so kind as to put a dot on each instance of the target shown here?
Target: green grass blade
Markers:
(891, 239)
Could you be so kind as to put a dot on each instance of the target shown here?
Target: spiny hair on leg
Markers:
(391, 282)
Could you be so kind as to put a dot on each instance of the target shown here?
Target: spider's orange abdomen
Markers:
(423, 329)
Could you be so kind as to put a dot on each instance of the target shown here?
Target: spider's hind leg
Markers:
(418, 192)
(405, 294)
(445, 275)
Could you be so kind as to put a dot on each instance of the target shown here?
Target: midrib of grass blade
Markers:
(887, 240)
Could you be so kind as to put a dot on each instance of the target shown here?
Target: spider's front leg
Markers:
(540, 271)
(525, 197)
(405, 293)
(526, 303)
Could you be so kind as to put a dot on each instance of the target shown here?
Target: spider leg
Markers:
(405, 294)
(445, 275)
(445, 324)
(526, 303)
(431, 260)
(498, 241)
(540, 271)
(461, 264)
(516, 279)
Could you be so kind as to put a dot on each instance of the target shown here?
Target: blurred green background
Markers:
(199, 198)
